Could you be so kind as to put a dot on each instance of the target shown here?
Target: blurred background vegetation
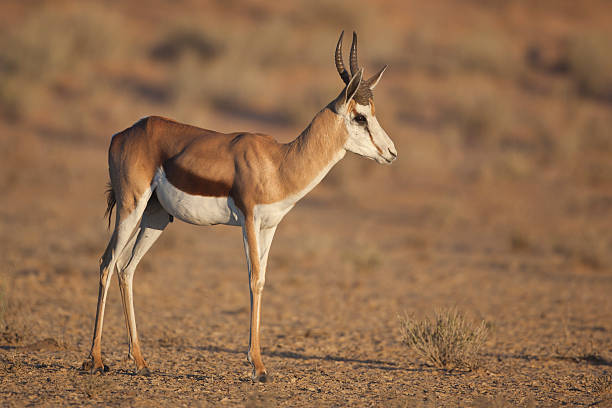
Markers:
(486, 94)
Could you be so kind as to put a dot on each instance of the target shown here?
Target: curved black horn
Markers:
(339, 63)
(353, 62)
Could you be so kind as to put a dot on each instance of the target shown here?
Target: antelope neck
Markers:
(308, 158)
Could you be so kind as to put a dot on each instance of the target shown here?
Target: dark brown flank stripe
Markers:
(194, 184)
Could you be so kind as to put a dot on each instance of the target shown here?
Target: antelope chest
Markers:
(270, 215)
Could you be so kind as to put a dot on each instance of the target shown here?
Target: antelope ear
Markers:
(373, 81)
(353, 85)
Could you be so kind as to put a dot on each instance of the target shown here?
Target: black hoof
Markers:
(101, 370)
(87, 365)
(144, 371)
(262, 378)
(90, 366)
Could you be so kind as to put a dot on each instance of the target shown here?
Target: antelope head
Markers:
(356, 105)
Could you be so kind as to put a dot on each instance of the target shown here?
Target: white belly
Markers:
(195, 209)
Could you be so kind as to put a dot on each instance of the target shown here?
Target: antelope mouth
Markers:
(388, 159)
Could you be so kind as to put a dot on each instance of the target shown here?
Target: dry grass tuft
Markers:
(447, 341)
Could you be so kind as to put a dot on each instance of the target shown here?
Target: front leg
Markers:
(256, 245)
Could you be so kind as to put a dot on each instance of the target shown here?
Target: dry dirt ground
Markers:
(497, 226)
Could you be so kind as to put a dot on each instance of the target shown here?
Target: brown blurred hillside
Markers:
(500, 201)
(478, 93)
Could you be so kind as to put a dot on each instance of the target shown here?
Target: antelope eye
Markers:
(360, 119)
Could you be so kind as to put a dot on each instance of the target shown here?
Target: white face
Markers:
(366, 137)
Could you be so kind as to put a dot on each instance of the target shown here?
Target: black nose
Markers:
(392, 153)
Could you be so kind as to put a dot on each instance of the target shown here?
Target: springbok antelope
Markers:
(160, 169)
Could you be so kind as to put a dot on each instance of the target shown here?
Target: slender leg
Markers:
(265, 241)
(124, 227)
(256, 243)
(154, 220)
(125, 257)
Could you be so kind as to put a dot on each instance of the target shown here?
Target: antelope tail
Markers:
(110, 202)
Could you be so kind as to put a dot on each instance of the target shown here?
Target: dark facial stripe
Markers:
(368, 128)
(373, 142)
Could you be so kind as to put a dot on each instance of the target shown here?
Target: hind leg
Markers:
(125, 224)
(123, 260)
(153, 222)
